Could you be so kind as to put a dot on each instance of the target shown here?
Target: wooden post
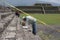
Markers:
(0, 17)
(59, 8)
(43, 9)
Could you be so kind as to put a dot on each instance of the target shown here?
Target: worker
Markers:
(32, 21)
(17, 13)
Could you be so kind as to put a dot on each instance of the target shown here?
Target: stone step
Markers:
(15, 31)
(3, 15)
(5, 20)
(10, 33)
(19, 32)
(6, 13)
(25, 34)
(4, 23)
(29, 36)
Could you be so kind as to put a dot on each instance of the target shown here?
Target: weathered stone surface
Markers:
(11, 28)
(10, 31)
(15, 31)
(2, 25)
(10, 35)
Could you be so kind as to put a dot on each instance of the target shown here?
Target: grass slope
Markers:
(47, 18)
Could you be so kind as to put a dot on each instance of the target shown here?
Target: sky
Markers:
(31, 2)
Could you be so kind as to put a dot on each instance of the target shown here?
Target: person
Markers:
(32, 21)
(17, 13)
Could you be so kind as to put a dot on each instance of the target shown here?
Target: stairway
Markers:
(11, 29)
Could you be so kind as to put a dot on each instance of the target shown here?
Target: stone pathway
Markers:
(10, 32)
(25, 34)
(15, 31)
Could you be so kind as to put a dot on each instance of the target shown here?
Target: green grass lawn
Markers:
(48, 18)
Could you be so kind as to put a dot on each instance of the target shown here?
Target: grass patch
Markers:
(47, 18)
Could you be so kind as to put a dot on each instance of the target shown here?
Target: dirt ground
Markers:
(49, 33)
